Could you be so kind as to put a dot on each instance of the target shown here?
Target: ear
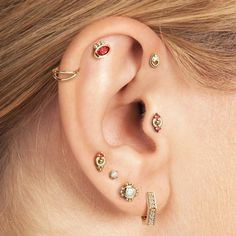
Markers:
(102, 110)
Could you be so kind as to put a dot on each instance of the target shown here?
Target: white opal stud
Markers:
(113, 174)
(128, 192)
(154, 60)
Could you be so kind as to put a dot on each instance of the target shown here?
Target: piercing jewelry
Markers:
(149, 219)
(101, 49)
(67, 75)
(128, 192)
(113, 174)
(157, 122)
(154, 60)
(100, 161)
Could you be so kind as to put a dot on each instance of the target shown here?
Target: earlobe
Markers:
(100, 111)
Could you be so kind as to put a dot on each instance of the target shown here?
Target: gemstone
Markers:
(113, 174)
(103, 50)
(128, 192)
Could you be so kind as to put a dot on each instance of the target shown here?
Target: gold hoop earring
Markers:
(150, 218)
(70, 74)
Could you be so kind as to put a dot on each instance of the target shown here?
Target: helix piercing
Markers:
(150, 218)
(67, 75)
(101, 49)
(154, 60)
(100, 161)
(157, 122)
(128, 192)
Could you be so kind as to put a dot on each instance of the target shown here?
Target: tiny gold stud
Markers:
(100, 161)
(154, 60)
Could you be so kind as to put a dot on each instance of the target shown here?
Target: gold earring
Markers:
(128, 192)
(69, 74)
(150, 218)
(101, 49)
(157, 122)
(154, 60)
(100, 161)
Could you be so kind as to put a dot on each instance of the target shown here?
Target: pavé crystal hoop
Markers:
(154, 60)
(100, 161)
(128, 192)
(101, 49)
(157, 122)
(67, 75)
(149, 219)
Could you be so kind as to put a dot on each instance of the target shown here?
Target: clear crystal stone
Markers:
(130, 192)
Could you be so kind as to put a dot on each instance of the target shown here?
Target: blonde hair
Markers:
(200, 34)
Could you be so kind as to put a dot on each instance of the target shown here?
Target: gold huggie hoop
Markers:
(56, 73)
(150, 218)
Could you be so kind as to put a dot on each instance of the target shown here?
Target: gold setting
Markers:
(97, 46)
(150, 218)
(100, 161)
(69, 74)
(157, 122)
(154, 60)
(128, 192)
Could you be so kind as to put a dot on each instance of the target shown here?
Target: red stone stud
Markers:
(101, 49)
(157, 122)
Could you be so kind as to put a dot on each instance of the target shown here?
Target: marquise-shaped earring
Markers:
(101, 49)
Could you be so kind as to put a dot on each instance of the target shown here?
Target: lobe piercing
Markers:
(149, 219)
(154, 60)
(70, 74)
(128, 192)
(157, 122)
(100, 161)
(101, 49)
(113, 174)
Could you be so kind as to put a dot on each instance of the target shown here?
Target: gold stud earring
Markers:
(154, 60)
(150, 218)
(101, 49)
(100, 161)
(157, 122)
(128, 192)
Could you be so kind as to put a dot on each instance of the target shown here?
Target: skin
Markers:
(190, 164)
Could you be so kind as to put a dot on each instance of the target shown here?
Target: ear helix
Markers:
(127, 191)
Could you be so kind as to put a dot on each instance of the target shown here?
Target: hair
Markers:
(200, 34)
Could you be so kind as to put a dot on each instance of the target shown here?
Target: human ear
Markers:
(102, 110)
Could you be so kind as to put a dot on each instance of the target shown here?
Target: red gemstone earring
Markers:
(157, 122)
(101, 49)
